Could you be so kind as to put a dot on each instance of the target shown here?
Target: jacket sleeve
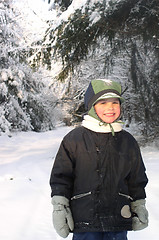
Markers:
(62, 177)
(137, 179)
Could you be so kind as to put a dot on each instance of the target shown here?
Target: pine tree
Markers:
(126, 27)
(23, 103)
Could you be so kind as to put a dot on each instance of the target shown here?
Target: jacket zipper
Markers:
(81, 195)
(127, 196)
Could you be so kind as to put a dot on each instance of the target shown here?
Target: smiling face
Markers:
(108, 110)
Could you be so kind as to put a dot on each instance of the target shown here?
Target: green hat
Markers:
(101, 89)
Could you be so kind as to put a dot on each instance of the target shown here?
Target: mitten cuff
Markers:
(60, 200)
(138, 203)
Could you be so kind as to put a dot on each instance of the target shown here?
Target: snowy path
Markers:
(25, 163)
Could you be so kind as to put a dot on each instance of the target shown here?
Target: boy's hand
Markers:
(140, 219)
(62, 217)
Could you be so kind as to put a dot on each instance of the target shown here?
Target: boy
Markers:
(98, 179)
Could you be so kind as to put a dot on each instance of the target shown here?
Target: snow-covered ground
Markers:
(26, 160)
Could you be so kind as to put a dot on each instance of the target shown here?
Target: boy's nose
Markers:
(110, 106)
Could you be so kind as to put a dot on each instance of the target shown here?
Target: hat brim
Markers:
(110, 95)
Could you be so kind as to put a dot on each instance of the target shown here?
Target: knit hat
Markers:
(101, 89)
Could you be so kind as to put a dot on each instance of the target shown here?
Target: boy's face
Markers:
(108, 110)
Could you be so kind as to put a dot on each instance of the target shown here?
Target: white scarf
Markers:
(97, 126)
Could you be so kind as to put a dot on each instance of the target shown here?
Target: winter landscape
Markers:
(51, 49)
(38, 96)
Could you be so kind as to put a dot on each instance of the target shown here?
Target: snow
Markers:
(25, 164)
(32, 16)
(94, 17)
(36, 14)
(26, 160)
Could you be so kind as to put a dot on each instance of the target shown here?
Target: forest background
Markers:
(51, 50)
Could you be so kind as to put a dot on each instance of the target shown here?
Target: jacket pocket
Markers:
(125, 195)
(82, 207)
(81, 195)
(124, 205)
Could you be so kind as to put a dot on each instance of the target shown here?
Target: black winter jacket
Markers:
(101, 175)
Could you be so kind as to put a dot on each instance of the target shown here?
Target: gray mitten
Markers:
(140, 219)
(62, 217)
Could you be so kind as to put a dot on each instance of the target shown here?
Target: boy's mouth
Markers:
(109, 114)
